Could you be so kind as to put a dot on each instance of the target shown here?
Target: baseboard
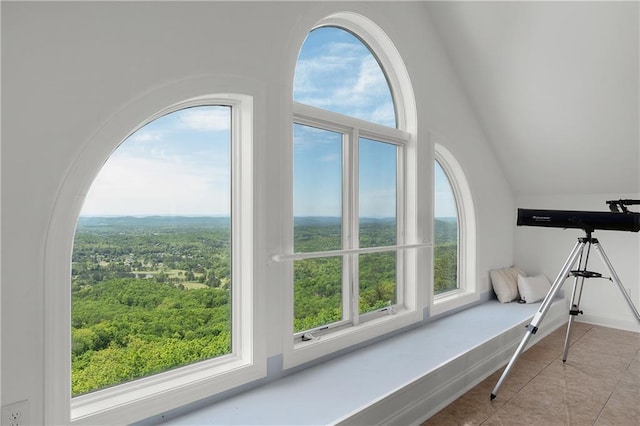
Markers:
(415, 402)
(619, 322)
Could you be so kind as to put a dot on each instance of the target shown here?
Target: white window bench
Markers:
(401, 380)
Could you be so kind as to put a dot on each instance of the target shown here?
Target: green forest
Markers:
(151, 294)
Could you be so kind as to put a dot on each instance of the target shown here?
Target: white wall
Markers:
(544, 250)
(69, 68)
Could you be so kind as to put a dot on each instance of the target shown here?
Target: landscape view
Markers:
(153, 293)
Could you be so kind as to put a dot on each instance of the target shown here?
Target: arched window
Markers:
(350, 147)
(454, 234)
(152, 262)
(161, 281)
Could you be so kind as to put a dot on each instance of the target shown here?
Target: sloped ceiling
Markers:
(555, 86)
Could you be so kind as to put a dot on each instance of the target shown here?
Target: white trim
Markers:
(620, 322)
(329, 120)
(146, 397)
(468, 289)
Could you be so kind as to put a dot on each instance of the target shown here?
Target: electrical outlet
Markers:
(16, 414)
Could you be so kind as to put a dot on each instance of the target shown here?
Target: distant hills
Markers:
(445, 227)
(145, 223)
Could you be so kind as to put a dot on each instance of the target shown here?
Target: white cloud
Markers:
(371, 80)
(215, 119)
(130, 185)
(384, 114)
(347, 80)
(143, 135)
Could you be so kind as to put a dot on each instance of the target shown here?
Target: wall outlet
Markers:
(16, 414)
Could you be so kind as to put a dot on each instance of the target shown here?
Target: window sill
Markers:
(123, 404)
(403, 379)
(453, 300)
(330, 343)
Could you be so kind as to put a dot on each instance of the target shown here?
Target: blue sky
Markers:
(179, 163)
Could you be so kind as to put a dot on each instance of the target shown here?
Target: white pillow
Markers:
(505, 283)
(533, 289)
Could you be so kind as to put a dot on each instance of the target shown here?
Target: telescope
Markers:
(619, 218)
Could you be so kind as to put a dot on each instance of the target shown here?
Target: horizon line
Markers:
(143, 216)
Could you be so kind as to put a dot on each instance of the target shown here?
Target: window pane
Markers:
(445, 250)
(317, 189)
(378, 226)
(151, 271)
(377, 193)
(337, 72)
(317, 226)
(377, 280)
(317, 292)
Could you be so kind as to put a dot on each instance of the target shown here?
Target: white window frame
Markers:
(149, 396)
(411, 238)
(468, 289)
(352, 129)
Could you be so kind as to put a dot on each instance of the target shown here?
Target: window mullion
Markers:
(347, 235)
(401, 191)
(354, 219)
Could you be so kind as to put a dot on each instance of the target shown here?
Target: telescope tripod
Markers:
(578, 253)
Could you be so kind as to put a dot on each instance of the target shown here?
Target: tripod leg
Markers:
(576, 295)
(615, 278)
(532, 328)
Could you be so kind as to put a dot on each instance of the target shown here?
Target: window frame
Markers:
(352, 130)
(148, 396)
(468, 289)
(409, 200)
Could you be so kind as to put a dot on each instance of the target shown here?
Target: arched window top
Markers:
(338, 72)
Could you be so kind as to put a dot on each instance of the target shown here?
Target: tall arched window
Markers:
(454, 234)
(350, 145)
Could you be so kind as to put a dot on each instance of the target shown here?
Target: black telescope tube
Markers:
(587, 220)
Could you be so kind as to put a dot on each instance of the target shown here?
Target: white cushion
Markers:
(505, 283)
(533, 289)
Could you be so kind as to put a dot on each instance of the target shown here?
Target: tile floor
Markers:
(598, 385)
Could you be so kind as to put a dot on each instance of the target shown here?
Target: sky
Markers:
(179, 164)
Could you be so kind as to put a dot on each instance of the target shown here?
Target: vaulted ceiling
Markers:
(555, 86)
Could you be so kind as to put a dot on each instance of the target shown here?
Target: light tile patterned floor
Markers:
(598, 385)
